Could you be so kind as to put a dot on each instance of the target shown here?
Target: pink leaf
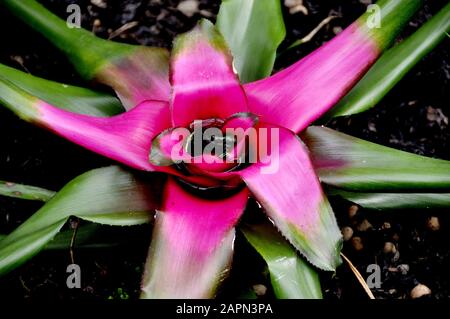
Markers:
(298, 95)
(192, 244)
(140, 75)
(125, 138)
(204, 84)
(289, 191)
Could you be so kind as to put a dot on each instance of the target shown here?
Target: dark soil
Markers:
(413, 117)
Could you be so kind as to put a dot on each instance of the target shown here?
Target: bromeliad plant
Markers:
(202, 201)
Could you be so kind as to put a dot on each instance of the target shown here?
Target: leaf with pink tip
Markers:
(204, 84)
(393, 66)
(192, 244)
(125, 137)
(297, 96)
(69, 97)
(287, 187)
(136, 73)
(300, 94)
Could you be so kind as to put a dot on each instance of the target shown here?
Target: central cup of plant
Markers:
(212, 145)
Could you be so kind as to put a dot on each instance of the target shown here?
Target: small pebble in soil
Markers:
(347, 233)
(403, 268)
(352, 211)
(386, 225)
(188, 7)
(260, 290)
(436, 115)
(96, 26)
(420, 291)
(433, 223)
(357, 243)
(364, 226)
(372, 127)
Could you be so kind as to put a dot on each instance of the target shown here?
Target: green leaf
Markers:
(18, 101)
(291, 276)
(25, 192)
(393, 66)
(393, 14)
(89, 236)
(253, 30)
(136, 73)
(67, 97)
(82, 47)
(387, 201)
(101, 192)
(353, 164)
(92, 236)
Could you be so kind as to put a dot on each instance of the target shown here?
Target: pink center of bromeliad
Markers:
(208, 145)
